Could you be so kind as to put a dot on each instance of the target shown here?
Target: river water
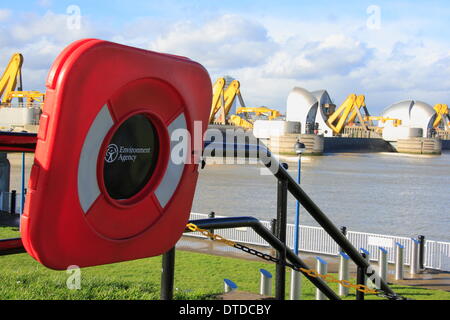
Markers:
(384, 193)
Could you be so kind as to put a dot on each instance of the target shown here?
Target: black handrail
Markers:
(261, 152)
(263, 232)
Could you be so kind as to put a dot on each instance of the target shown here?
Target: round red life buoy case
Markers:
(104, 186)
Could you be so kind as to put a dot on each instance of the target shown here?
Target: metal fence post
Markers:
(344, 273)
(421, 252)
(382, 265)
(265, 286)
(399, 261)
(280, 286)
(273, 226)
(414, 257)
(361, 278)
(5, 177)
(211, 215)
(296, 285)
(321, 269)
(366, 255)
(344, 232)
(12, 207)
(229, 285)
(273, 229)
(168, 274)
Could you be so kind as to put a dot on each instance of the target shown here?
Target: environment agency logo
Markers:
(123, 154)
(112, 153)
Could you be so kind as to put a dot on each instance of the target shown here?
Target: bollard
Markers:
(321, 269)
(421, 252)
(399, 248)
(296, 285)
(265, 286)
(382, 265)
(343, 273)
(414, 257)
(229, 285)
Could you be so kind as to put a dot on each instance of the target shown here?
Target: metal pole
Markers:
(273, 226)
(211, 215)
(399, 261)
(265, 285)
(280, 287)
(321, 269)
(297, 208)
(360, 279)
(366, 255)
(295, 292)
(344, 273)
(22, 198)
(421, 252)
(296, 285)
(168, 274)
(12, 208)
(382, 264)
(414, 257)
(5, 177)
(344, 232)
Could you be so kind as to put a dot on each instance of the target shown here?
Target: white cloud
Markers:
(227, 43)
(4, 14)
(336, 54)
(50, 25)
(40, 38)
(269, 57)
(45, 3)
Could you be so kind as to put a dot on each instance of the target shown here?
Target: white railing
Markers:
(316, 240)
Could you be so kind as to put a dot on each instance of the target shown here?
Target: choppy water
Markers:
(383, 193)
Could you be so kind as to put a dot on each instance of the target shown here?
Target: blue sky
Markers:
(387, 50)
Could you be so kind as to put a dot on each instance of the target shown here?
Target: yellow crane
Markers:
(223, 99)
(396, 122)
(442, 115)
(218, 97)
(240, 122)
(347, 113)
(271, 114)
(12, 78)
(247, 121)
(30, 96)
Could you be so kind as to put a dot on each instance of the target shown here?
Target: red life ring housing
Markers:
(104, 187)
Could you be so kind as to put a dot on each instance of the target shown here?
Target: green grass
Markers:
(197, 276)
(9, 232)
